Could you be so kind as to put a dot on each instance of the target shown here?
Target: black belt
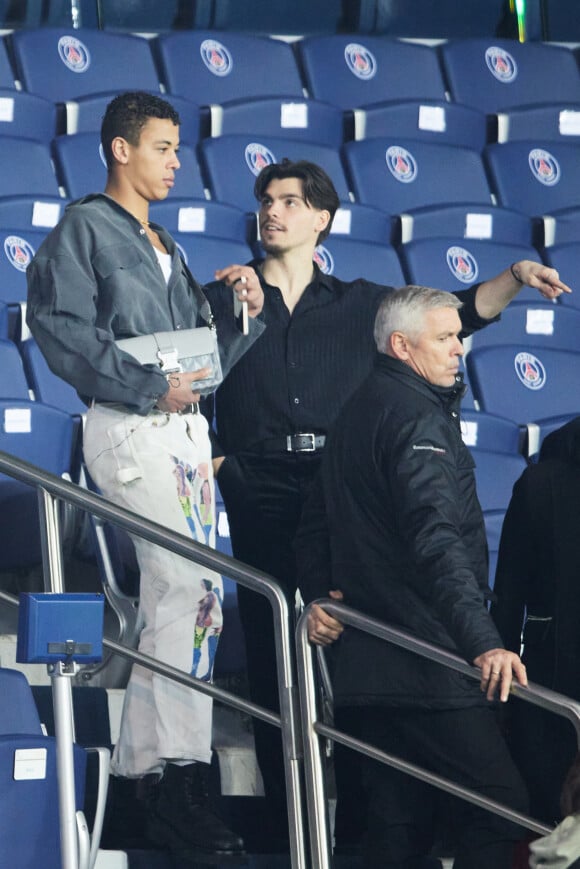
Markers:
(296, 443)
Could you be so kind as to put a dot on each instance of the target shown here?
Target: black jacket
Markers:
(538, 568)
(397, 518)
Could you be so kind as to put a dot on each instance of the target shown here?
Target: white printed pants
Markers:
(159, 466)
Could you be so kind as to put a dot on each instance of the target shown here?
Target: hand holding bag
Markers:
(184, 349)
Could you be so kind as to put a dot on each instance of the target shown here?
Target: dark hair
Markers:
(126, 116)
(318, 189)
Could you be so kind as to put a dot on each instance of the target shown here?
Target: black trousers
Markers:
(264, 497)
(463, 745)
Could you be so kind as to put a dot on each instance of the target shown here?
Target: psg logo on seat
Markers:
(501, 64)
(462, 264)
(18, 252)
(402, 165)
(74, 54)
(545, 168)
(257, 156)
(360, 61)
(530, 371)
(216, 57)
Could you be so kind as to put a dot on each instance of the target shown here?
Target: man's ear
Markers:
(323, 220)
(120, 149)
(399, 344)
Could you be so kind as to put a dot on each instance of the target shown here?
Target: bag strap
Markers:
(204, 306)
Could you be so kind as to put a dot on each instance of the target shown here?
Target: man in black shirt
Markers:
(273, 410)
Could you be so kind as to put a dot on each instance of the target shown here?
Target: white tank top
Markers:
(165, 263)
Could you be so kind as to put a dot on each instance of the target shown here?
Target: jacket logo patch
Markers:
(430, 447)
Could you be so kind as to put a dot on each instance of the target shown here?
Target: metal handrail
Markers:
(52, 489)
(312, 727)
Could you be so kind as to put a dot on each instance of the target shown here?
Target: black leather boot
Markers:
(178, 816)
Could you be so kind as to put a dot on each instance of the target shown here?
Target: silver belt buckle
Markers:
(306, 449)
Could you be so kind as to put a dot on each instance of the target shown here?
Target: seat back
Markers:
(63, 64)
(82, 168)
(210, 67)
(534, 176)
(204, 254)
(47, 386)
(525, 383)
(85, 115)
(496, 445)
(351, 70)
(17, 248)
(557, 122)
(350, 259)
(283, 117)
(27, 116)
(434, 121)
(456, 263)
(35, 175)
(13, 381)
(566, 258)
(399, 175)
(45, 437)
(29, 805)
(493, 74)
(231, 164)
(468, 220)
(533, 325)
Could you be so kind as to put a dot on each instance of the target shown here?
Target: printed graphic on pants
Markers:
(195, 496)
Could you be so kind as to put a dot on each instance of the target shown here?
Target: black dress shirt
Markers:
(298, 374)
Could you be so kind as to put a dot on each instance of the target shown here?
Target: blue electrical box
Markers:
(60, 627)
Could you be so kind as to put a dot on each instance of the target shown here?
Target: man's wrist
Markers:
(515, 270)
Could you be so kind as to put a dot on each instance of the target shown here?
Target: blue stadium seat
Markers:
(4, 322)
(24, 212)
(561, 228)
(492, 74)
(27, 116)
(349, 259)
(493, 520)
(551, 121)
(356, 70)
(467, 220)
(289, 118)
(13, 381)
(353, 220)
(538, 325)
(45, 437)
(7, 78)
(566, 258)
(63, 64)
(17, 248)
(29, 805)
(82, 170)
(231, 164)
(85, 116)
(46, 386)
(205, 217)
(456, 263)
(496, 445)
(399, 175)
(534, 176)
(434, 121)
(204, 253)
(35, 175)
(211, 67)
(525, 383)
